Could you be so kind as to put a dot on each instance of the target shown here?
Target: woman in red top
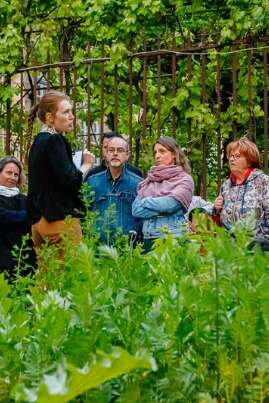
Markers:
(244, 197)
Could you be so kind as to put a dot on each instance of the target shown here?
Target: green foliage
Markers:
(34, 32)
(197, 305)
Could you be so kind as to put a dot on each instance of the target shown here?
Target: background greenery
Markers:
(34, 32)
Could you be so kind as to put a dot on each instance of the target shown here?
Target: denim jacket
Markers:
(160, 214)
(113, 201)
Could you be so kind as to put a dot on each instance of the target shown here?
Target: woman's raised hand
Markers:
(88, 159)
(218, 204)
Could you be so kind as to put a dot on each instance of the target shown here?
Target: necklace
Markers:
(48, 129)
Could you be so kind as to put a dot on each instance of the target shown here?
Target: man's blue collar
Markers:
(121, 177)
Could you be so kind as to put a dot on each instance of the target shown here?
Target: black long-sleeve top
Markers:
(54, 180)
(13, 226)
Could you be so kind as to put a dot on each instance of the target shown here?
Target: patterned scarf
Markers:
(168, 180)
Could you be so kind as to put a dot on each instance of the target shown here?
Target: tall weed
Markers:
(198, 305)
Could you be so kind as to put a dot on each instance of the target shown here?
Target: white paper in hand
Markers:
(77, 159)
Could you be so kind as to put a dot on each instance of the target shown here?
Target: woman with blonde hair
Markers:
(244, 196)
(54, 180)
(166, 193)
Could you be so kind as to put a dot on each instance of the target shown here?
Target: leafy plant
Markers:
(198, 305)
(68, 382)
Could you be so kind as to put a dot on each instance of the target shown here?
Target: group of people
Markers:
(124, 202)
(128, 204)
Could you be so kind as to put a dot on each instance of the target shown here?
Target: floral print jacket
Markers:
(245, 201)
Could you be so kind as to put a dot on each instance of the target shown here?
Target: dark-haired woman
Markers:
(54, 180)
(166, 193)
(13, 222)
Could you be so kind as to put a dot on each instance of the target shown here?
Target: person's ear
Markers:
(127, 155)
(49, 118)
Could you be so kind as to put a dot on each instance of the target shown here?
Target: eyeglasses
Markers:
(119, 150)
(234, 156)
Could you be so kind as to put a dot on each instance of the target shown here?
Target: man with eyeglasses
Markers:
(114, 192)
(103, 165)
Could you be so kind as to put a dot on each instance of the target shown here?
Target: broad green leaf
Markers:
(60, 387)
(4, 286)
